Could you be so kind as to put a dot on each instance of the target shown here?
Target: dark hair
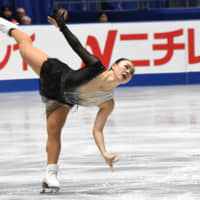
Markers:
(120, 59)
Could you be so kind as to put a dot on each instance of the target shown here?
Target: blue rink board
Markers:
(138, 80)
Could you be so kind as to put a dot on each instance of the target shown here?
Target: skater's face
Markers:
(124, 71)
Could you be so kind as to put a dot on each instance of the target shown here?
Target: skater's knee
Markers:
(54, 129)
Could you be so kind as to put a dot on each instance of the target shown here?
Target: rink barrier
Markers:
(193, 77)
(138, 80)
(19, 85)
(164, 53)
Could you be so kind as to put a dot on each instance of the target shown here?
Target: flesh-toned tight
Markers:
(56, 119)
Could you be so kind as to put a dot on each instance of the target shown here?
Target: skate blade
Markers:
(49, 190)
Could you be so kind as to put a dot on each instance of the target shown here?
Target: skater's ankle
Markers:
(52, 167)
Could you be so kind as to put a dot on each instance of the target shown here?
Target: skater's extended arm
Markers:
(87, 58)
(104, 111)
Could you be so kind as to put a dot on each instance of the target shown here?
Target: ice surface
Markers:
(155, 131)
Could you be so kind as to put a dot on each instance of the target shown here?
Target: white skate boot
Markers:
(50, 181)
(6, 26)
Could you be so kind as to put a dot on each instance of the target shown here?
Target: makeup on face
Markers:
(127, 70)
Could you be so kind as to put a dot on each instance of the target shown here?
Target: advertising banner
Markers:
(154, 47)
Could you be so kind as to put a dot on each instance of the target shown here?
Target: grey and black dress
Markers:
(59, 83)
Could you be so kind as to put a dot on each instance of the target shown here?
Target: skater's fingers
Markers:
(52, 21)
(117, 160)
(113, 157)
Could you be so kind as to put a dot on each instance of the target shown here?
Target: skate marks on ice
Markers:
(155, 131)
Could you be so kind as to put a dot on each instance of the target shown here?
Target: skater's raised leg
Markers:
(31, 55)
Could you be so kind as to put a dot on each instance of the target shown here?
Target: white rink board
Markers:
(111, 46)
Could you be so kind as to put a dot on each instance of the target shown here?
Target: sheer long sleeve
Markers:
(73, 41)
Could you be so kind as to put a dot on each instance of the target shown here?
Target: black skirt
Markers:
(51, 76)
(59, 82)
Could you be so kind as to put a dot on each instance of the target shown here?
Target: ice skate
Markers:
(50, 183)
(6, 26)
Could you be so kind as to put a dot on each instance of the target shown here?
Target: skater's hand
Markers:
(110, 160)
(52, 21)
(57, 20)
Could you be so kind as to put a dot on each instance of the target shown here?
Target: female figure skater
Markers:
(62, 87)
